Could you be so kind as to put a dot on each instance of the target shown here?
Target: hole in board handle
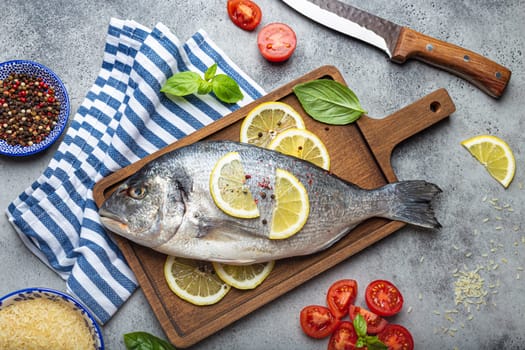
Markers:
(435, 106)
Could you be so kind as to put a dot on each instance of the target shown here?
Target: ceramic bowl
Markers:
(49, 77)
(55, 295)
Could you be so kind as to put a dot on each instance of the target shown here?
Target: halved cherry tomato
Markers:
(244, 13)
(318, 321)
(374, 323)
(383, 298)
(340, 295)
(276, 42)
(343, 338)
(396, 337)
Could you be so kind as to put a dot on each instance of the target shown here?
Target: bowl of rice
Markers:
(42, 318)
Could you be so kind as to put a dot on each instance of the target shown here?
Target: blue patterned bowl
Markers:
(50, 78)
(55, 295)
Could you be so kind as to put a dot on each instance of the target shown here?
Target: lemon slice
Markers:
(291, 206)
(267, 120)
(495, 154)
(228, 188)
(245, 276)
(194, 281)
(303, 144)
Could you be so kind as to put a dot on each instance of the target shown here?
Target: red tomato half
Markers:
(340, 295)
(244, 13)
(374, 323)
(396, 337)
(318, 321)
(276, 42)
(383, 298)
(343, 338)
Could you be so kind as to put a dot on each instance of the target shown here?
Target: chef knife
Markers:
(401, 43)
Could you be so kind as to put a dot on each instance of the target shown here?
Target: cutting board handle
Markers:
(383, 135)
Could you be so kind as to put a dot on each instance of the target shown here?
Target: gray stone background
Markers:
(68, 36)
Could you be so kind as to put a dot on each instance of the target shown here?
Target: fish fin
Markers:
(412, 203)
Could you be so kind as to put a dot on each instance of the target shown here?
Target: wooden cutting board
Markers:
(360, 153)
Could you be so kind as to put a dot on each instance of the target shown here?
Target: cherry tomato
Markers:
(383, 298)
(343, 338)
(340, 295)
(396, 337)
(276, 42)
(244, 13)
(374, 323)
(318, 321)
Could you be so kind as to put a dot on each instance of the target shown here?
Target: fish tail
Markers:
(412, 203)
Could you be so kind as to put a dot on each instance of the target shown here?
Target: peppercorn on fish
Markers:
(167, 206)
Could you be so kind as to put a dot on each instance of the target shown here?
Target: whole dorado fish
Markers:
(167, 206)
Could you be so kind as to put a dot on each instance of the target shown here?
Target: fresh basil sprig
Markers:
(371, 342)
(185, 83)
(329, 101)
(145, 341)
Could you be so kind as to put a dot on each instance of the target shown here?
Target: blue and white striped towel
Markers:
(123, 118)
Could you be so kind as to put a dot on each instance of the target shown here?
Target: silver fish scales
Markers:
(167, 206)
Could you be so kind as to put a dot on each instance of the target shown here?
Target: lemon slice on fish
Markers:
(194, 281)
(244, 276)
(267, 120)
(228, 188)
(291, 206)
(495, 154)
(303, 144)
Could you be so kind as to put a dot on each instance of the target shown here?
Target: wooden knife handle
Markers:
(487, 75)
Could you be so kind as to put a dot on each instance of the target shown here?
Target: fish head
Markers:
(148, 208)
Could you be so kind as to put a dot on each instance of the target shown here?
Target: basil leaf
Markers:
(205, 87)
(182, 84)
(329, 101)
(360, 325)
(373, 343)
(226, 89)
(145, 341)
(360, 343)
(210, 72)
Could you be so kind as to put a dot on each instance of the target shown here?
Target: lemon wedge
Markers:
(267, 120)
(228, 188)
(194, 281)
(291, 206)
(245, 276)
(495, 154)
(303, 144)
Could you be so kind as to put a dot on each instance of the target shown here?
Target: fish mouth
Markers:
(113, 222)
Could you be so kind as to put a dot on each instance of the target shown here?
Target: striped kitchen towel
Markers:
(123, 118)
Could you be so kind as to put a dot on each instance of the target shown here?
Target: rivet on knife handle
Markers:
(487, 75)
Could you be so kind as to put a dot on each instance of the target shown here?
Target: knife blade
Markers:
(402, 43)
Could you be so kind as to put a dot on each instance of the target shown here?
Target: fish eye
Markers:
(137, 192)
